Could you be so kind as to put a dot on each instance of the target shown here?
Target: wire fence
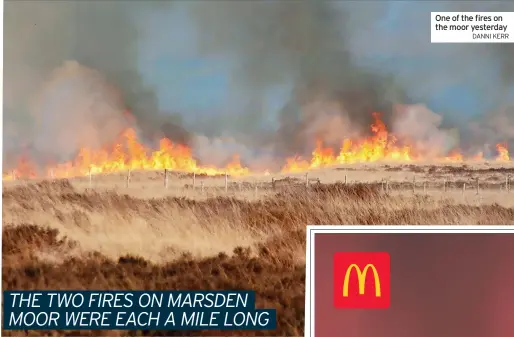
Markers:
(193, 181)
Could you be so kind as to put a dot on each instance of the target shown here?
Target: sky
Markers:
(169, 62)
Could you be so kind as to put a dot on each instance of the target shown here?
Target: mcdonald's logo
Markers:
(362, 280)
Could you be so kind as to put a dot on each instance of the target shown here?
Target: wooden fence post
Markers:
(414, 184)
(273, 183)
(307, 179)
(194, 180)
(463, 188)
(165, 178)
(345, 179)
(478, 186)
(128, 179)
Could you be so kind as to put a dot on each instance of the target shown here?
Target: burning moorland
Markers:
(74, 130)
(128, 153)
(61, 231)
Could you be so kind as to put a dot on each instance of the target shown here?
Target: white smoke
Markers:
(76, 108)
(327, 121)
(221, 150)
(421, 127)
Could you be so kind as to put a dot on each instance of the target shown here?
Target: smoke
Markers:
(315, 45)
(316, 48)
(328, 121)
(304, 43)
(486, 69)
(422, 128)
(51, 108)
(76, 108)
(219, 151)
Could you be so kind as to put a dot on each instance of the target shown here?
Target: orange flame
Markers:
(129, 154)
(503, 153)
(381, 146)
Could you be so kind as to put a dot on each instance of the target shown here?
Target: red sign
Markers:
(362, 280)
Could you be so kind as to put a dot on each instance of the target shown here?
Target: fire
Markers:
(454, 156)
(24, 168)
(503, 153)
(381, 146)
(129, 154)
(478, 157)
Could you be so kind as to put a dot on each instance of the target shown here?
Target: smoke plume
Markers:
(314, 46)
(301, 42)
(421, 127)
(76, 108)
(51, 108)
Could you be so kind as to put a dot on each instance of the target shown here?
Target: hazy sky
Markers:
(169, 62)
(388, 36)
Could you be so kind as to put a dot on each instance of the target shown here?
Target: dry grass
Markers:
(64, 235)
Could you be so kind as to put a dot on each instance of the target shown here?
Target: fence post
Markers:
(507, 183)
(194, 180)
(345, 179)
(226, 182)
(307, 179)
(273, 183)
(414, 184)
(128, 179)
(444, 185)
(478, 186)
(387, 186)
(90, 178)
(463, 188)
(165, 178)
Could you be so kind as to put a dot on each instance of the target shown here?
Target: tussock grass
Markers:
(59, 235)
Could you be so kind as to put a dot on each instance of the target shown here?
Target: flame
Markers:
(503, 153)
(380, 146)
(454, 156)
(24, 168)
(478, 157)
(129, 154)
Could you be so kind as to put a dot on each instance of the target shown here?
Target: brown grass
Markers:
(62, 235)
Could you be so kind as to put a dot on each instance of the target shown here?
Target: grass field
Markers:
(77, 234)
